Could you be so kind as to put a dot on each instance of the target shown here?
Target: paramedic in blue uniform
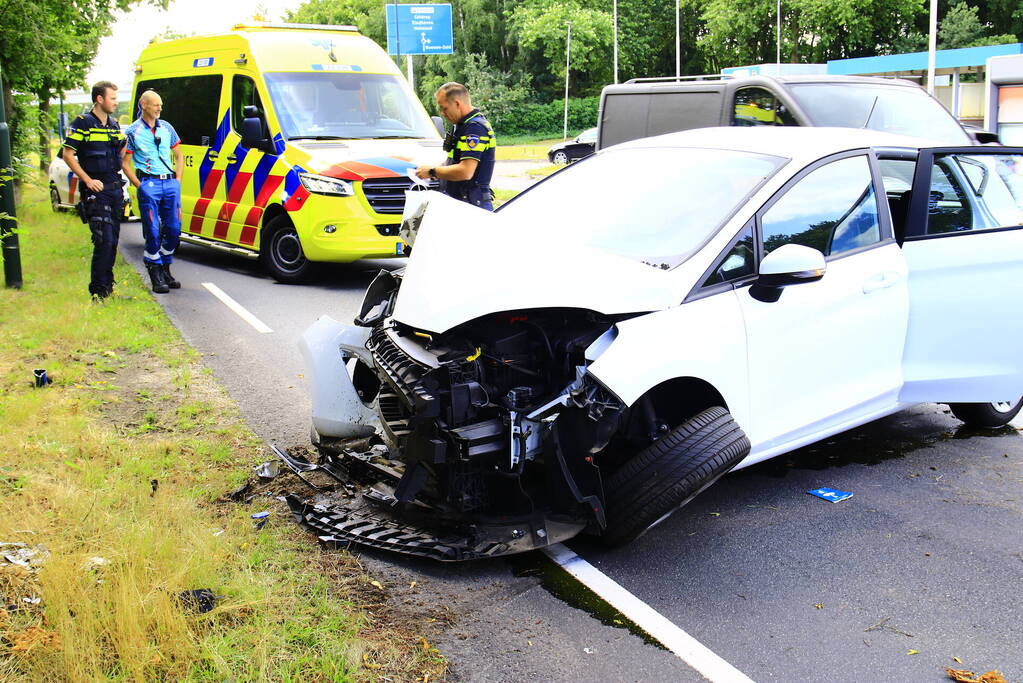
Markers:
(93, 150)
(147, 163)
(470, 146)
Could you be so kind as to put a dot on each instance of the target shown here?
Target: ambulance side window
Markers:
(190, 103)
(243, 93)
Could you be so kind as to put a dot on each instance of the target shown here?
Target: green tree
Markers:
(961, 27)
(46, 46)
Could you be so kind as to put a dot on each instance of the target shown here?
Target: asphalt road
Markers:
(924, 563)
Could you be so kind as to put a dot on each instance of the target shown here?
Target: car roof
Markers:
(790, 142)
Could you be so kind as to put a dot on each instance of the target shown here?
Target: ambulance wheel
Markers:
(282, 253)
(54, 199)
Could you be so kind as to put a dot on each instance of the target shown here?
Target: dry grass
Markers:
(122, 458)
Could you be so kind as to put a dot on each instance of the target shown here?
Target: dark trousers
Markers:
(104, 211)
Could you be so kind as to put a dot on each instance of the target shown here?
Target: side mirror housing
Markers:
(252, 130)
(789, 264)
(438, 123)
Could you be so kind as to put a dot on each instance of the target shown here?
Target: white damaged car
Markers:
(615, 339)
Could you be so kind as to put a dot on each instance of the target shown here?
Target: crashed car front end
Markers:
(487, 438)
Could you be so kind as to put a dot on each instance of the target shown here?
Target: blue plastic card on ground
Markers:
(832, 495)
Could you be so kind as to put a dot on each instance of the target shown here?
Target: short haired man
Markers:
(93, 150)
(147, 163)
(470, 146)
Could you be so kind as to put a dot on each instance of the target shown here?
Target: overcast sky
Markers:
(133, 30)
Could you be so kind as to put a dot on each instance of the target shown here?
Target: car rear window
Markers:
(891, 108)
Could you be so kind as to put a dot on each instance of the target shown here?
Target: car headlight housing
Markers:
(319, 184)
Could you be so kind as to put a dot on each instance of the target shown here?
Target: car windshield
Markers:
(891, 108)
(657, 206)
(329, 105)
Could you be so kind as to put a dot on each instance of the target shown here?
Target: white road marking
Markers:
(237, 308)
(685, 647)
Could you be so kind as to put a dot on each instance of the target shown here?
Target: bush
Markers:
(548, 119)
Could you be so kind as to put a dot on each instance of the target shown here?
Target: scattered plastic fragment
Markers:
(200, 600)
(218, 532)
(260, 518)
(913, 652)
(967, 676)
(25, 556)
(154, 484)
(95, 563)
(40, 378)
(831, 495)
(31, 601)
(588, 650)
(268, 470)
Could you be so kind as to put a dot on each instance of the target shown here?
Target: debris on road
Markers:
(260, 518)
(199, 601)
(830, 495)
(40, 378)
(25, 556)
(268, 470)
(967, 676)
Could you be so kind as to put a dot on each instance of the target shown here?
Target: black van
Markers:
(643, 107)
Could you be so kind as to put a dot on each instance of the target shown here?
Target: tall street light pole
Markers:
(932, 46)
(568, 61)
(8, 220)
(777, 58)
(678, 44)
(615, 31)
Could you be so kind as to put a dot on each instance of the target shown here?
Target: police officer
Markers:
(93, 150)
(470, 146)
(147, 163)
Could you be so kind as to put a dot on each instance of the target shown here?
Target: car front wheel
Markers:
(282, 252)
(670, 472)
(560, 158)
(997, 414)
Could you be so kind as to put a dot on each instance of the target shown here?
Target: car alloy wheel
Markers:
(560, 158)
(994, 414)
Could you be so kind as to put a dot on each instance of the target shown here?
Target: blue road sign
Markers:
(419, 30)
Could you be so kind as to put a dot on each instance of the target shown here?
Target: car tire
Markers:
(670, 472)
(560, 158)
(988, 415)
(281, 252)
(54, 199)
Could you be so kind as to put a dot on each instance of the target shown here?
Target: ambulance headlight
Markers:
(318, 184)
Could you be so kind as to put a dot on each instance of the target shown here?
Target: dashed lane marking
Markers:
(237, 308)
(683, 645)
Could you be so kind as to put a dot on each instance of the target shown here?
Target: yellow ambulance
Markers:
(297, 141)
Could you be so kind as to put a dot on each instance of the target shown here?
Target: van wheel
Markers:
(996, 414)
(54, 199)
(282, 253)
(670, 472)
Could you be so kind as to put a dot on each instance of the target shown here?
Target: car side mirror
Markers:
(252, 130)
(438, 123)
(789, 264)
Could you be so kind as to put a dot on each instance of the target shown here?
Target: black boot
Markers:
(168, 278)
(156, 276)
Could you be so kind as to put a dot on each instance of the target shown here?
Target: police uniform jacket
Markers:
(97, 146)
(473, 138)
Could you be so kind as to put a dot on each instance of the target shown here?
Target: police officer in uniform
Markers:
(470, 146)
(93, 150)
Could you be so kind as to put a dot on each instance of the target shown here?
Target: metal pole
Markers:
(8, 216)
(932, 46)
(411, 78)
(616, 38)
(678, 44)
(777, 58)
(397, 34)
(568, 62)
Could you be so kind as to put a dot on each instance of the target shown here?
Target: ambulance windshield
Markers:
(347, 106)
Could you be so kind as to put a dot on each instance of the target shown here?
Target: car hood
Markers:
(360, 159)
(467, 262)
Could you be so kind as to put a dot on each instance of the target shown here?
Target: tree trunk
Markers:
(44, 129)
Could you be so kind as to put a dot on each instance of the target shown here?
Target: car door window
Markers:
(760, 107)
(190, 103)
(738, 262)
(832, 209)
(974, 192)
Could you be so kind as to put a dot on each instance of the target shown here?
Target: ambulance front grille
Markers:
(387, 195)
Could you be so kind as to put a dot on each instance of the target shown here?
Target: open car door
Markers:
(964, 250)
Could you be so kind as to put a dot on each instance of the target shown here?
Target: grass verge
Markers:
(111, 500)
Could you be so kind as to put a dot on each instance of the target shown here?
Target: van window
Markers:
(760, 107)
(331, 105)
(190, 103)
(663, 112)
(243, 93)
